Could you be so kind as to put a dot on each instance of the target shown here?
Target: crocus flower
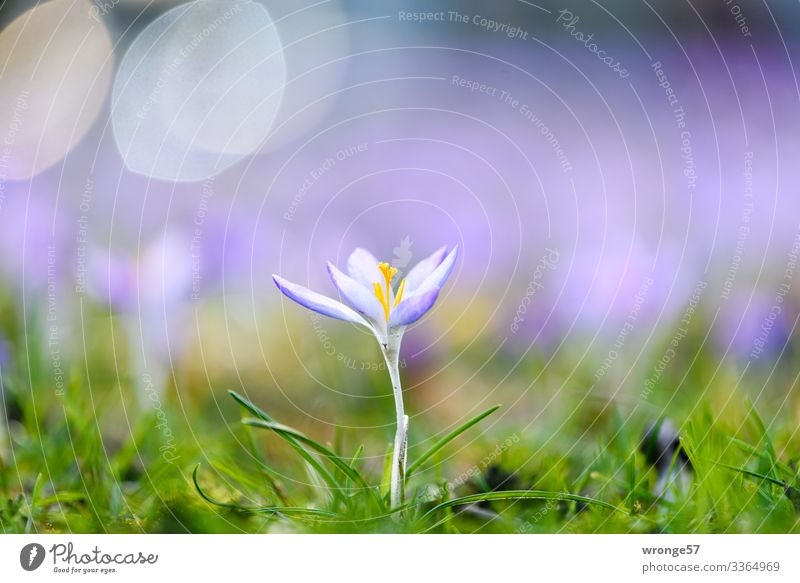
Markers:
(371, 301)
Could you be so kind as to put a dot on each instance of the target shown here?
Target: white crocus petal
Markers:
(319, 303)
(412, 308)
(356, 295)
(439, 275)
(420, 272)
(363, 267)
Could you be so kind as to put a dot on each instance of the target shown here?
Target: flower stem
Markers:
(399, 451)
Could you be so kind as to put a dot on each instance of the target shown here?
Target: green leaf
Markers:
(37, 488)
(447, 439)
(354, 463)
(357, 456)
(752, 474)
(791, 493)
(233, 472)
(523, 495)
(287, 510)
(290, 433)
(254, 409)
(761, 429)
(763, 456)
(304, 453)
(116, 504)
(386, 477)
(62, 498)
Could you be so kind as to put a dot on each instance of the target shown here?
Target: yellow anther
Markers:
(387, 270)
(381, 298)
(384, 291)
(399, 295)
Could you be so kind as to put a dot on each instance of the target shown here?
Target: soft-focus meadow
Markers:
(626, 288)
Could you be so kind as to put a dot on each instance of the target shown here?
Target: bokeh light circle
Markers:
(56, 67)
(198, 90)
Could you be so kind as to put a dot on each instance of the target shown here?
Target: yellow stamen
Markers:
(399, 292)
(384, 292)
(381, 298)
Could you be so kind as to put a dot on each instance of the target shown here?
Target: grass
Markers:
(89, 458)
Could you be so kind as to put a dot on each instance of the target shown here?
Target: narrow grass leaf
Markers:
(753, 474)
(289, 432)
(386, 476)
(354, 463)
(326, 476)
(37, 488)
(523, 495)
(286, 510)
(447, 439)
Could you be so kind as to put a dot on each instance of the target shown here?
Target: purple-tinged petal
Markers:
(317, 302)
(412, 308)
(420, 272)
(436, 279)
(359, 297)
(363, 267)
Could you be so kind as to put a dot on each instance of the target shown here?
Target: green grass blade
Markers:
(764, 456)
(288, 432)
(750, 449)
(357, 456)
(447, 439)
(753, 474)
(761, 429)
(354, 463)
(523, 495)
(386, 476)
(254, 409)
(327, 477)
(791, 493)
(287, 510)
(37, 488)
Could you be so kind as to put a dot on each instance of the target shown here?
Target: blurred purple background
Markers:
(402, 136)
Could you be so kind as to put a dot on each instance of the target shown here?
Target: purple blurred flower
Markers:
(149, 292)
(153, 281)
(753, 327)
(34, 243)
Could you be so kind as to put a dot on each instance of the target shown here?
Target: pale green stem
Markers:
(399, 455)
